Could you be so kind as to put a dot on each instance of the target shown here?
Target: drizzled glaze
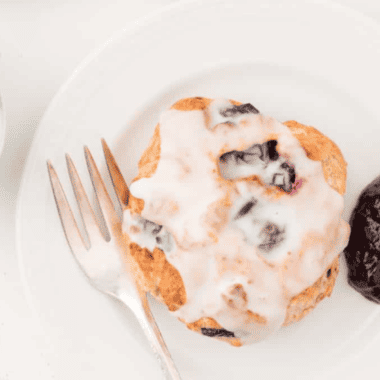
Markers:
(228, 272)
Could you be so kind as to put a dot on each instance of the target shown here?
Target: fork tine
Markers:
(90, 221)
(70, 227)
(104, 199)
(119, 184)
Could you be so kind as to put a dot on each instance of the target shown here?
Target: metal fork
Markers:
(102, 258)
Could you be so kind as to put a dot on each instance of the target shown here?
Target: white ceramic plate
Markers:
(313, 62)
(2, 125)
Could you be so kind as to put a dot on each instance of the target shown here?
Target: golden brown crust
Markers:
(318, 147)
(149, 160)
(159, 277)
(195, 104)
(302, 304)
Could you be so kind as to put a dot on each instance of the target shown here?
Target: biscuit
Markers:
(157, 276)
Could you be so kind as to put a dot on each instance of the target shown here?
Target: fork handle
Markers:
(152, 332)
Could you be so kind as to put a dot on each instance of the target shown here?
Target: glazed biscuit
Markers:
(157, 276)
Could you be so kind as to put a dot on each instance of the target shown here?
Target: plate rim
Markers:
(3, 124)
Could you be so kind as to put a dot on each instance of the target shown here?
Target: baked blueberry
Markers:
(217, 332)
(151, 227)
(246, 208)
(271, 150)
(239, 110)
(255, 150)
(249, 156)
(259, 157)
(271, 236)
(285, 178)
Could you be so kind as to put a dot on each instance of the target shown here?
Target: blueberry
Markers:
(246, 209)
(289, 176)
(229, 112)
(272, 236)
(228, 156)
(255, 150)
(292, 175)
(248, 108)
(239, 157)
(239, 110)
(157, 230)
(250, 159)
(290, 170)
(271, 150)
(151, 227)
(217, 332)
(261, 156)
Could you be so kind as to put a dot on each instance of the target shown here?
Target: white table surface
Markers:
(41, 43)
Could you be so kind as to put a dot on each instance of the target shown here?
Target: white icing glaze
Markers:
(214, 259)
